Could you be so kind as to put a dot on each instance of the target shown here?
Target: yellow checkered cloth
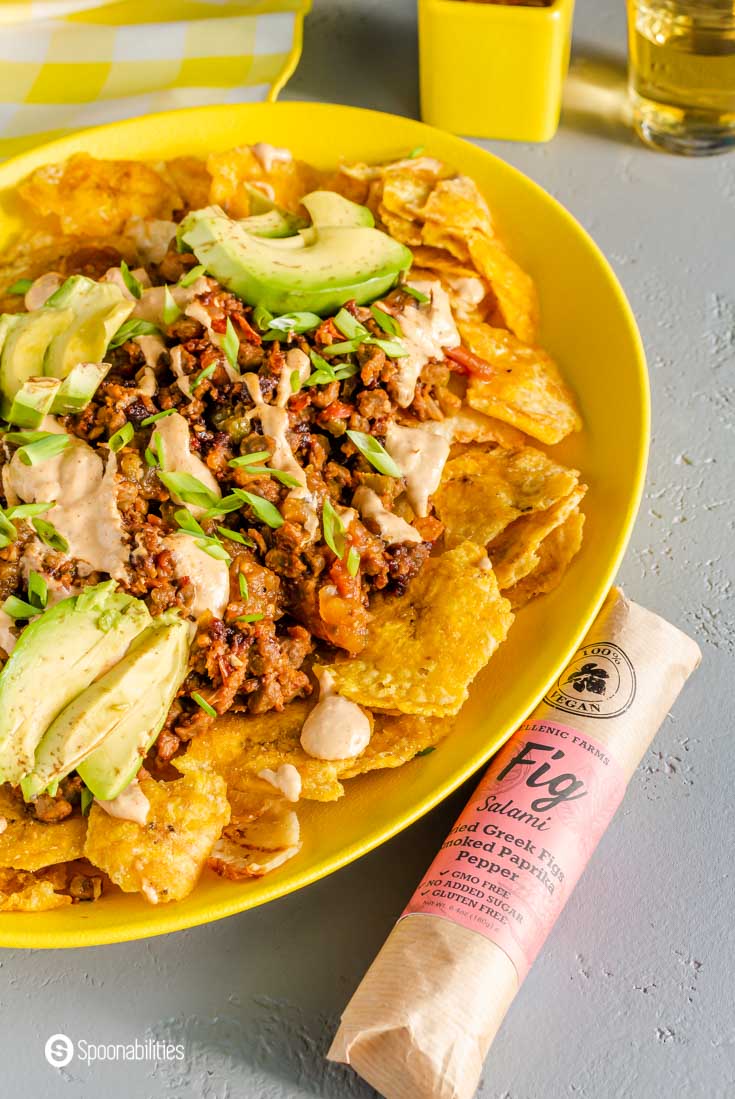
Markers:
(66, 64)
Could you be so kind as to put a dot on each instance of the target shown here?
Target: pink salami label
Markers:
(514, 856)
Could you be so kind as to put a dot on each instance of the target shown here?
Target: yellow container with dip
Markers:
(494, 70)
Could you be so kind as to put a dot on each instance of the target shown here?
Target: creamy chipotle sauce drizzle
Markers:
(336, 728)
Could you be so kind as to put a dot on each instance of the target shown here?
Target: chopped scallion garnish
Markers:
(21, 286)
(134, 286)
(375, 453)
(18, 608)
(189, 489)
(419, 295)
(192, 275)
(50, 536)
(333, 527)
(262, 317)
(171, 310)
(121, 438)
(249, 459)
(157, 416)
(86, 800)
(37, 590)
(129, 329)
(203, 375)
(235, 536)
(353, 561)
(45, 445)
(243, 585)
(349, 326)
(294, 322)
(385, 321)
(263, 509)
(203, 704)
(231, 345)
(250, 618)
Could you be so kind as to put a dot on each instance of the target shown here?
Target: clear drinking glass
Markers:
(682, 74)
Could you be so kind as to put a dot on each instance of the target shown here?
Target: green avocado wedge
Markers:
(32, 402)
(318, 269)
(28, 337)
(123, 712)
(97, 311)
(58, 655)
(78, 387)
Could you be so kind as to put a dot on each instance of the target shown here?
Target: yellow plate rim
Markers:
(165, 919)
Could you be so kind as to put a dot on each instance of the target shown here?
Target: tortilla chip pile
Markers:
(510, 512)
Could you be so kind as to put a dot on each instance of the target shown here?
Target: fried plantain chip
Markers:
(514, 553)
(21, 891)
(425, 648)
(515, 291)
(457, 205)
(397, 739)
(468, 426)
(401, 229)
(252, 848)
(90, 197)
(527, 391)
(235, 172)
(554, 557)
(163, 858)
(190, 178)
(29, 844)
(408, 185)
(483, 490)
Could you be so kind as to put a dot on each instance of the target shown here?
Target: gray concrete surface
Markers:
(633, 994)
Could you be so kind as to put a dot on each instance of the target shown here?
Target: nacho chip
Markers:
(29, 844)
(514, 553)
(425, 648)
(21, 891)
(517, 299)
(483, 491)
(554, 557)
(90, 197)
(163, 858)
(285, 183)
(528, 391)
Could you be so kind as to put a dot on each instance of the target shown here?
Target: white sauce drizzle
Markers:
(274, 422)
(183, 380)
(115, 276)
(41, 290)
(151, 236)
(392, 528)
(130, 804)
(210, 577)
(173, 432)
(286, 779)
(87, 514)
(268, 155)
(467, 293)
(146, 381)
(152, 347)
(3, 824)
(421, 455)
(427, 330)
(336, 728)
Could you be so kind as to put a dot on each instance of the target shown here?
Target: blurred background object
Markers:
(682, 74)
(494, 70)
(65, 64)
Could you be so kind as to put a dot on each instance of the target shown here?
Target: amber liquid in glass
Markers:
(682, 74)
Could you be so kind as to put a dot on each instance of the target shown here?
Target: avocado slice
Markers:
(327, 209)
(129, 705)
(26, 342)
(58, 655)
(274, 223)
(31, 403)
(318, 270)
(97, 311)
(78, 388)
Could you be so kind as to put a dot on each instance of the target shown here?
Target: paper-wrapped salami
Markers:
(424, 1016)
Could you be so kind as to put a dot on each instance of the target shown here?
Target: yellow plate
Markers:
(587, 325)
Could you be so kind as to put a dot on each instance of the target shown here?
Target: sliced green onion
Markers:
(344, 348)
(416, 151)
(37, 590)
(203, 375)
(348, 326)
(250, 618)
(50, 536)
(26, 511)
(295, 322)
(353, 561)
(40, 450)
(321, 377)
(249, 459)
(223, 506)
(393, 348)
(22, 286)
(320, 363)
(425, 752)
(347, 370)
(87, 798)
(18, 608)
(7, 529)
(129, 330)
(280, 475)
(419, 295)
(135, 287)
(333, 527)
(385, 321)
(170, 309)
(264, 509)
(189, 489)
(156, 417)
(214, 548)
(375, 453)
(231, 345)
(187, 522)
(242, 583)
(151, 457)
(121, 438)
(295, 381)
(202, 702)
(235, 536)
(192, 275)
(262, 317)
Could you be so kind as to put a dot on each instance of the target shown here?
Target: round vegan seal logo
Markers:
(599, 682)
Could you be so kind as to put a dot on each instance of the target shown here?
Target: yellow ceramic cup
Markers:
(494, 70)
